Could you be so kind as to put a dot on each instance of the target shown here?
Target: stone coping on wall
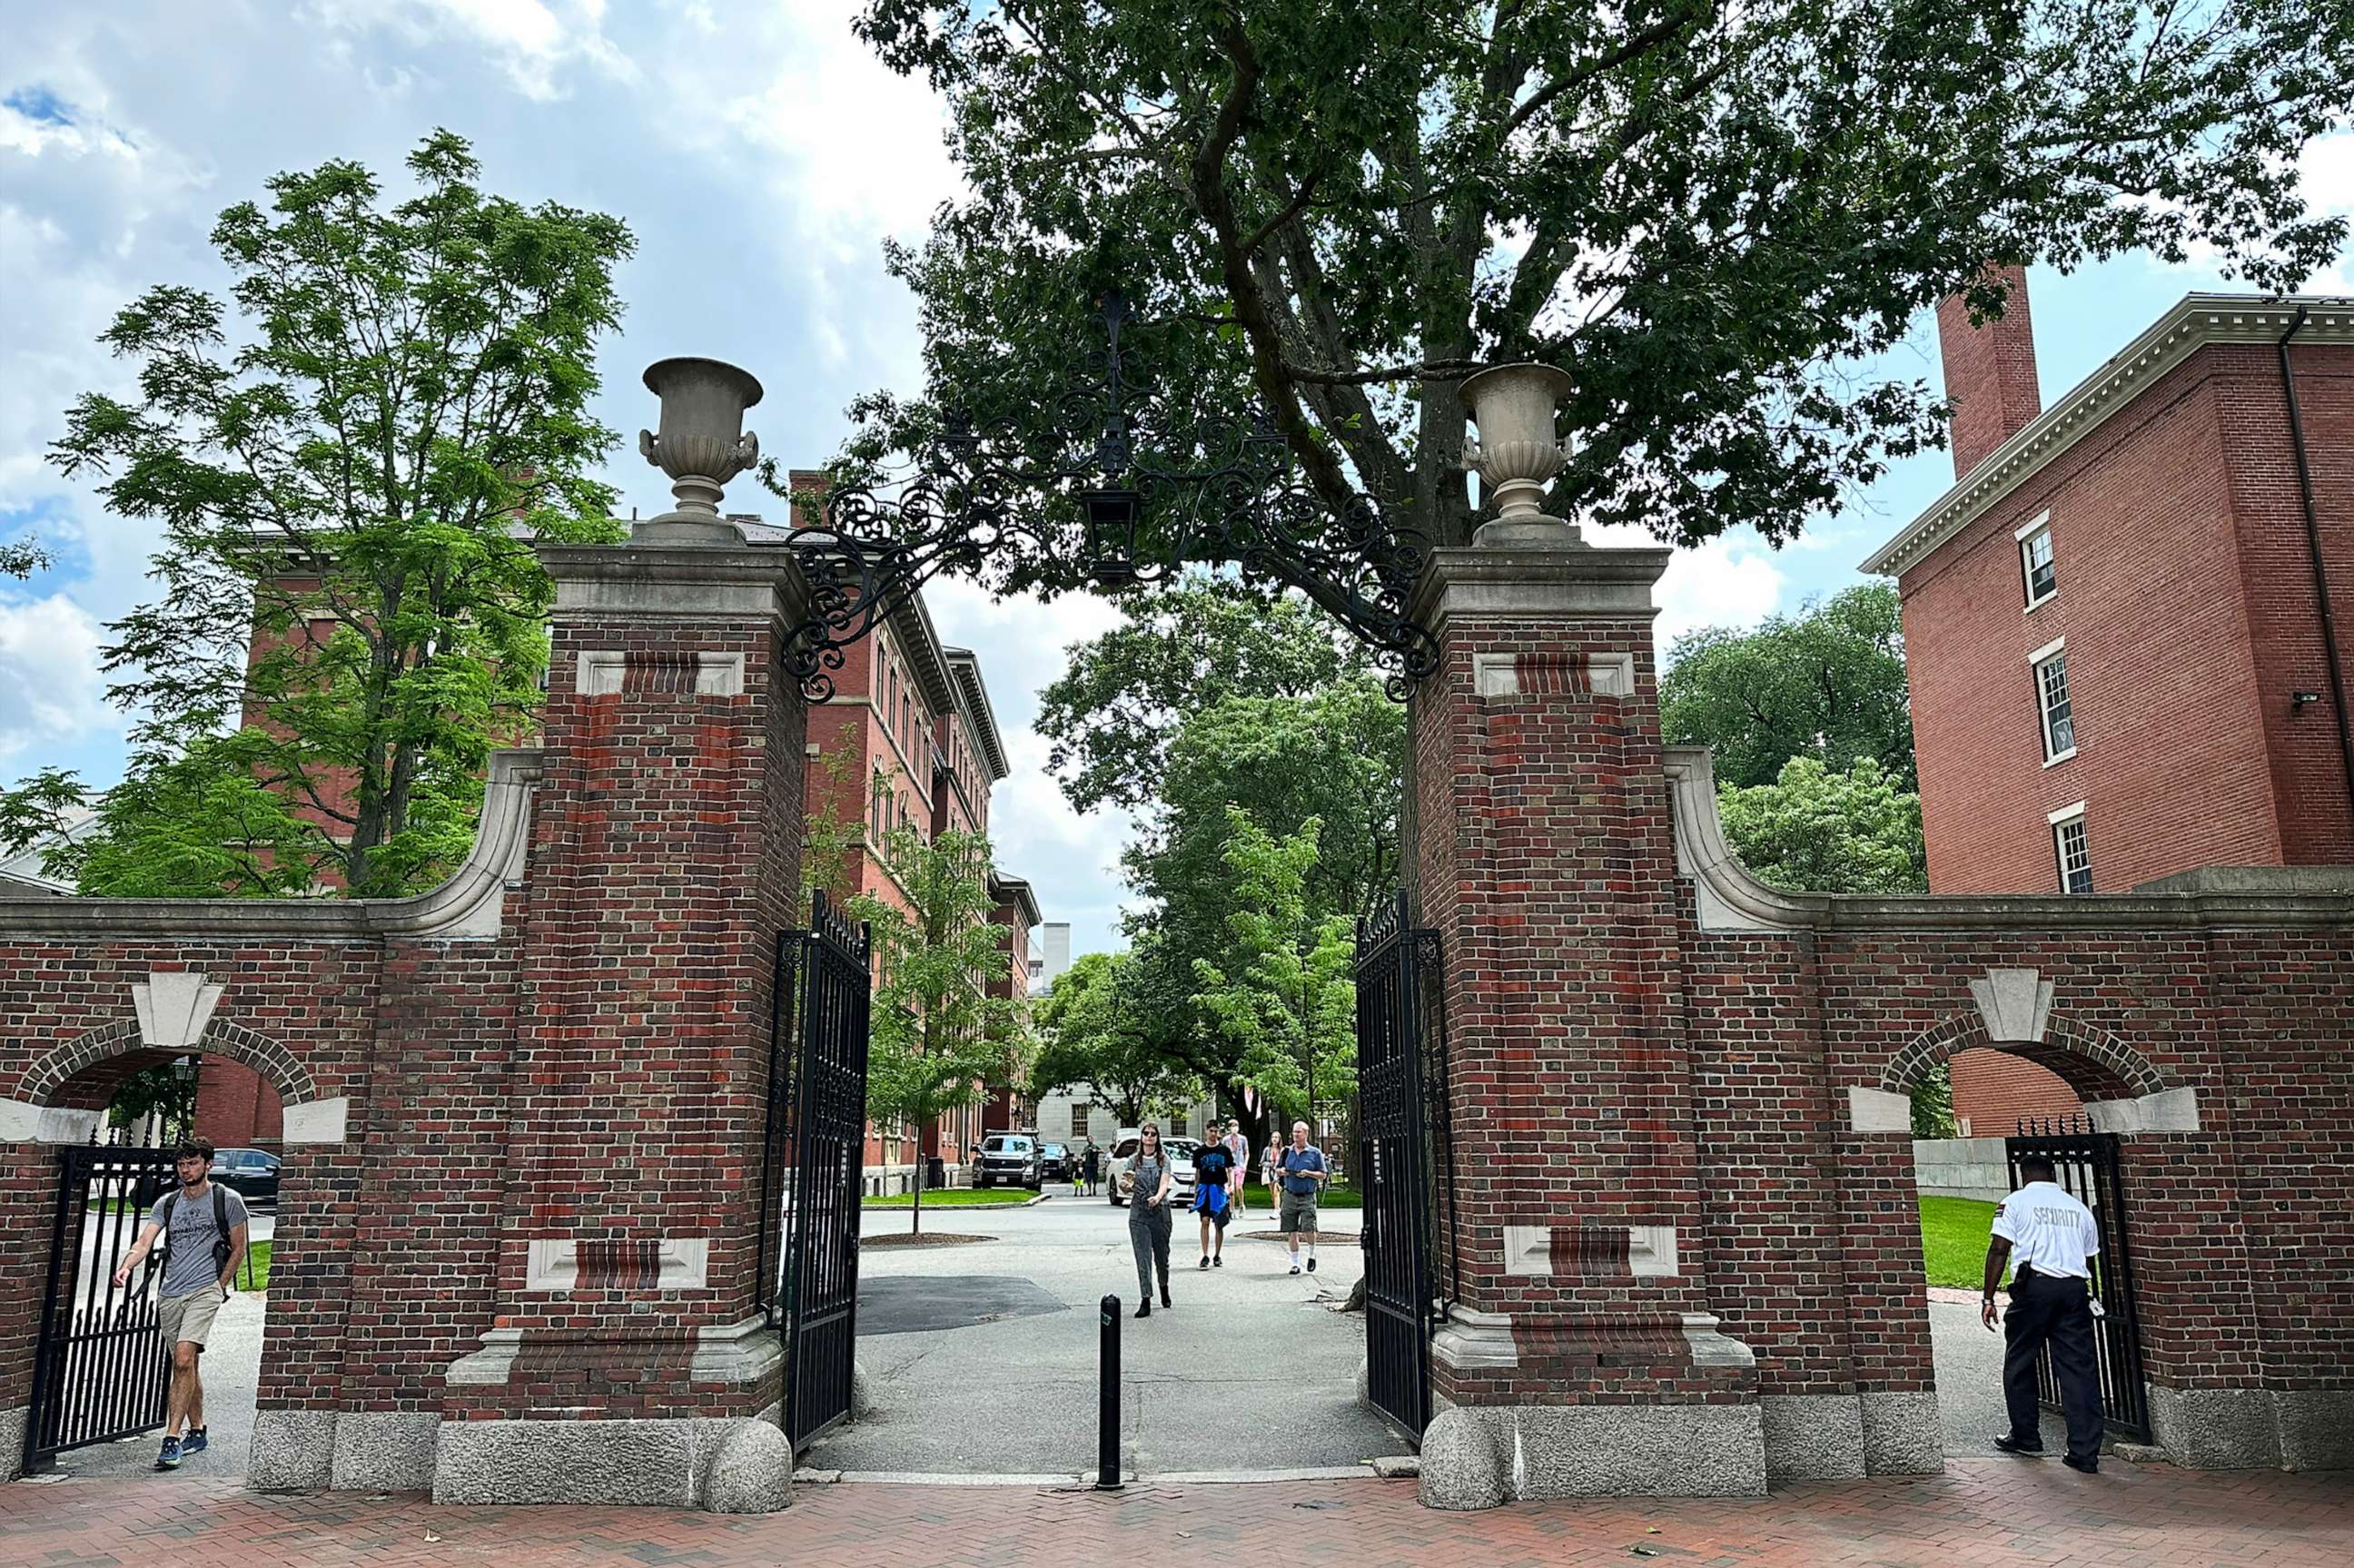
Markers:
(466, 907)
(1730, 899)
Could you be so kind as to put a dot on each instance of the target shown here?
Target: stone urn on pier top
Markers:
(700, 444)
(1516, 453)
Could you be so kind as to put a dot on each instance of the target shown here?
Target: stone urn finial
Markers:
(702, 444)
(1516, 452)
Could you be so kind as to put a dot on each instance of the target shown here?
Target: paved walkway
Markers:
(1981, 1512)
(984, 1358)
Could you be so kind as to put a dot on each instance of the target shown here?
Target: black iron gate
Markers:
(817, 1131)
(99, 1369)
(1396, 995)
(2086, 1164)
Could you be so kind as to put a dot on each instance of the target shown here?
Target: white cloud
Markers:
(1071, 859)
(2327, 170)
(51, 689)
(1731, 581)
(535, 44)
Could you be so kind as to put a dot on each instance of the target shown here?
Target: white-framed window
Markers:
(2071, 850)
(2037, 569)
(2049, 664)
(1079, 1121)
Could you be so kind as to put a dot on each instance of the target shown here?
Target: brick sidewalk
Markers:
(1982, 1511)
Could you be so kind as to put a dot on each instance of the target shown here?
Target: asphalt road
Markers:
(982, 1357)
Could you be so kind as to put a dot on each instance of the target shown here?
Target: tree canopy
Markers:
(1282, 996)
(1112, 712)
(1108, 1023)
(1713, 217)
(348, 480)
(1816, 830)
(1827, 682)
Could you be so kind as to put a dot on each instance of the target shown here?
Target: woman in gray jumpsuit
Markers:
(1148, 1216)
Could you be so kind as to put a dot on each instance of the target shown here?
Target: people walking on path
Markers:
(1090, 1168)
(1238, 1147)
(1270, 1167)
(2052, 1238)
(1213, 1187)
(1149, 1179)
(1303, 1180)
(203, 1224)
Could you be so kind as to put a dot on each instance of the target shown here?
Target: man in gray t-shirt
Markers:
(205, 1230)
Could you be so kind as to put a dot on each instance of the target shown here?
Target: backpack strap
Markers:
(221, 1245)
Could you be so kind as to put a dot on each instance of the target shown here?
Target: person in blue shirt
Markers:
(1303, 1180)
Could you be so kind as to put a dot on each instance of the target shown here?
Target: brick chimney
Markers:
(1990, 371)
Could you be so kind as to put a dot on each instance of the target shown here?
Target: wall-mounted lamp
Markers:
(2298, 701)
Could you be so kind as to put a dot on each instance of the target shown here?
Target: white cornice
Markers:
(2195, 322)
(965, 665)
(1729, 899)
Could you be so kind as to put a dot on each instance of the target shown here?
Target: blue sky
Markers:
(761, 157)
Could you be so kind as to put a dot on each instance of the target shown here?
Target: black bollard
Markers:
(1108, 1397)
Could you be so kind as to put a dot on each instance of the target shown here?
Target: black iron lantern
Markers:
(1111, 519)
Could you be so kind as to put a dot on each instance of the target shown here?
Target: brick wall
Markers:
(1651, 1054)
(236, 1107)
(1992, 1089)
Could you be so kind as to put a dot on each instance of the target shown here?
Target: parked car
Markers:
(1010, 1160)
(1116, 1164)
(1058, 1162)
(250, 1173)
(1181, 1166)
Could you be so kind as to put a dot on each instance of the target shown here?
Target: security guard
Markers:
(2055, 1240)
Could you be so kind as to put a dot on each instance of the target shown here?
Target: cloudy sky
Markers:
(761, 157)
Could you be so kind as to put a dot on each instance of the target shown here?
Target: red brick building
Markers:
(908, 739)
(2119, 620)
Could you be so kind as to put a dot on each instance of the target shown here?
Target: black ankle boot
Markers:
(1164, 1290)
(1144, 1308)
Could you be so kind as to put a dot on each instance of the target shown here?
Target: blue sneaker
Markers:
(193, 1442)
(169, 1459)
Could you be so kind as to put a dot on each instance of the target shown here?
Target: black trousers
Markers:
(2057, 1311)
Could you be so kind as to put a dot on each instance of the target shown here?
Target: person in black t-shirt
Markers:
(1214, 1180)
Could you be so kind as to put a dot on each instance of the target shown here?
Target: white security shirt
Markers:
(2047, 1227)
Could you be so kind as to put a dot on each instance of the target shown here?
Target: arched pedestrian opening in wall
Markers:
(106, 1113)
(1959, 1180)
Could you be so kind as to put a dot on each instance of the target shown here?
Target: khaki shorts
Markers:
(1299, 1213)
(188, 1317)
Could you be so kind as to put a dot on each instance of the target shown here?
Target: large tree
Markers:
(348, 482)
(1112, 712)
(1317, 773)
(1282, 996)
(1107, 1023)
(1816, 830)
(1828, 683)
(939, 1038)
(1715, 218)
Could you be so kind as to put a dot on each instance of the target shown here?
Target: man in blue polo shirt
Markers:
(1303, 1176)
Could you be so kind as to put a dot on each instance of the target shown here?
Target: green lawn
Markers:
(1953, 1240)
(955, 1198)
(253, 1274)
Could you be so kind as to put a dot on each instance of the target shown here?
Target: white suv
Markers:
(1181, 1166)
